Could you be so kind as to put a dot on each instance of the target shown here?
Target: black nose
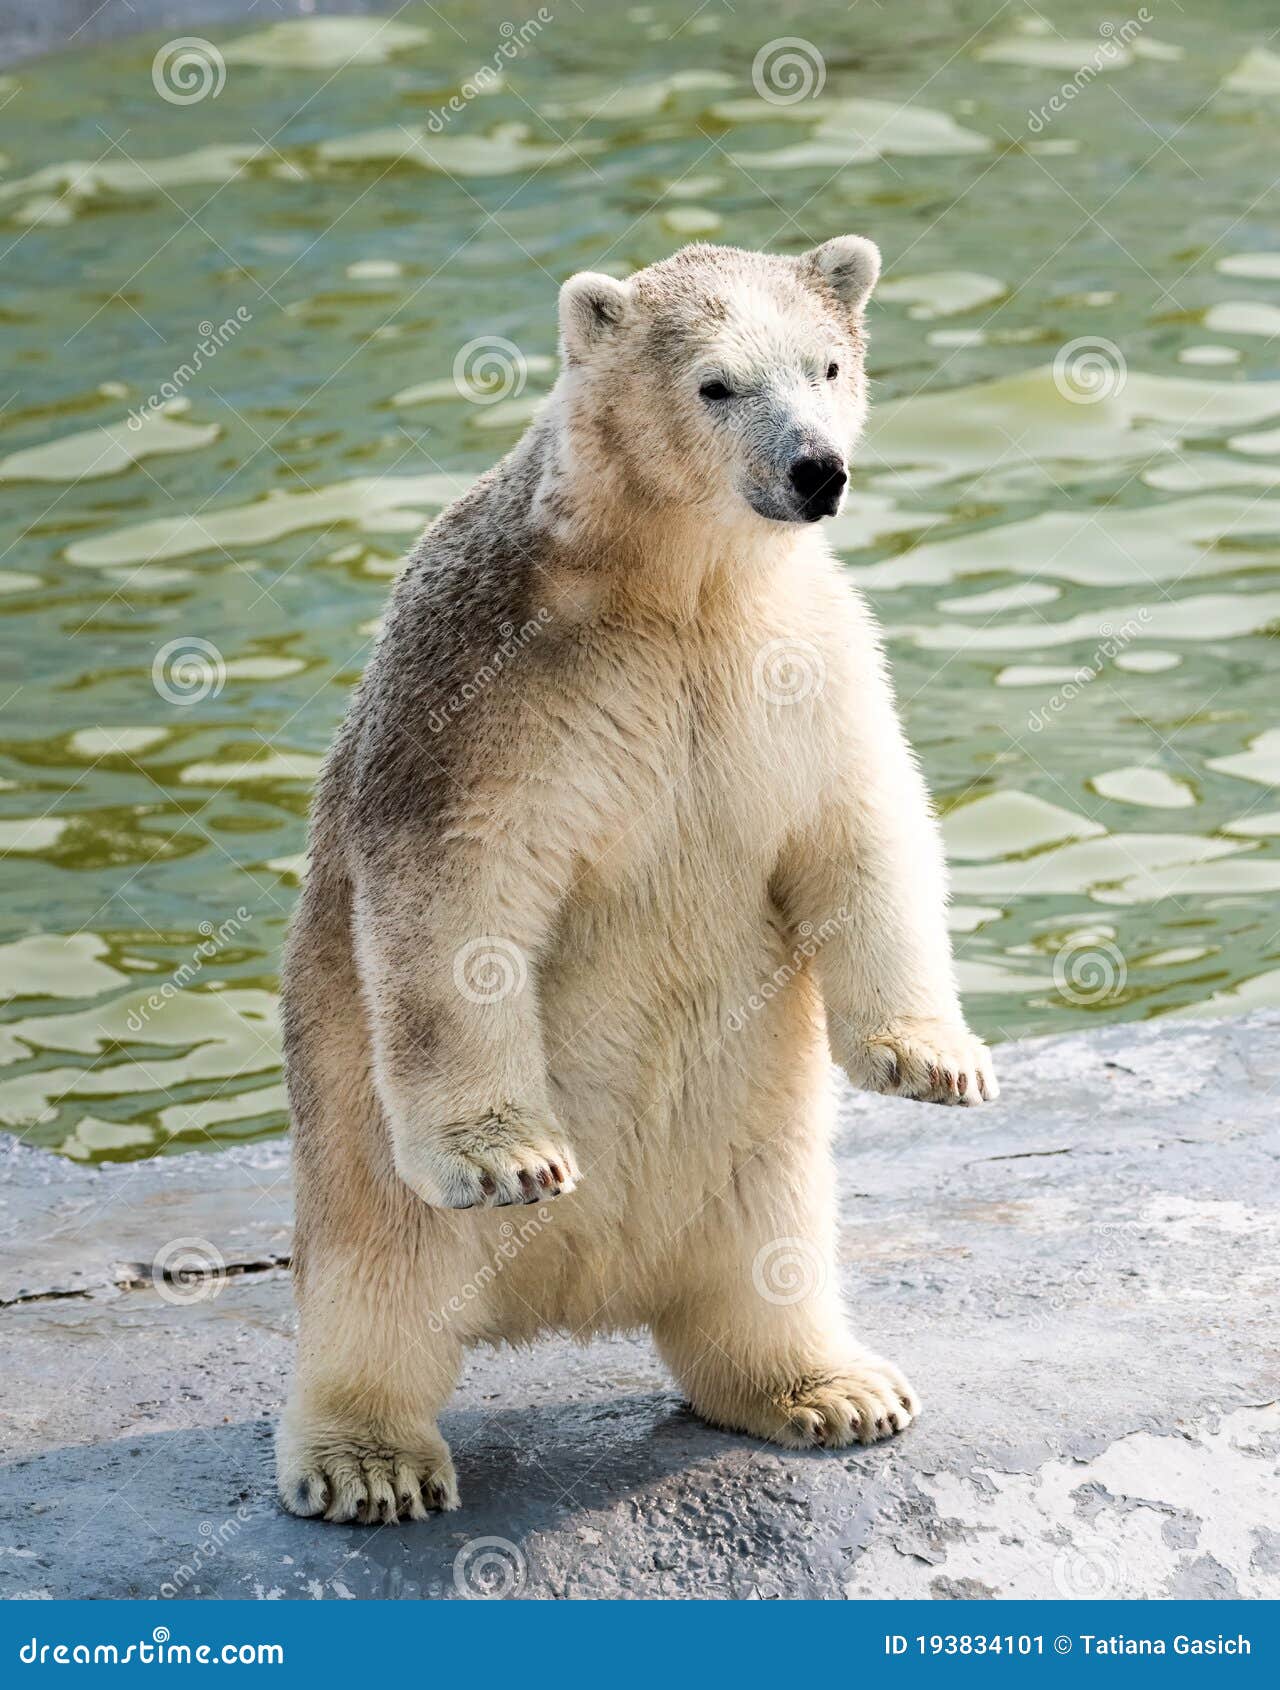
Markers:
(818, 482)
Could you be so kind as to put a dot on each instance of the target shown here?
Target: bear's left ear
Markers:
(592, 306)
(848, 266)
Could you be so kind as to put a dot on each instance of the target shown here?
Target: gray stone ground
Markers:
(1082, 1281)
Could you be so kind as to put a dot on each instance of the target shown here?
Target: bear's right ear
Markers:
(592, 306)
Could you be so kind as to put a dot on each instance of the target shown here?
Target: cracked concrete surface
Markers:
(1083, 1282)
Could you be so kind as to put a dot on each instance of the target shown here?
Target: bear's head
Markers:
(727, 381)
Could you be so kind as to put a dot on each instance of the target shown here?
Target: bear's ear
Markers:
(592, 306)
(848, 266)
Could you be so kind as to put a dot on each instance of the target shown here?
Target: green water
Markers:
(1078, 581)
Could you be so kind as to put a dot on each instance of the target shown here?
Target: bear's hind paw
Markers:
(370, 1487)
(861, 1402)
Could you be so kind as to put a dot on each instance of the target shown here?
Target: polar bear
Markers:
(620, 842)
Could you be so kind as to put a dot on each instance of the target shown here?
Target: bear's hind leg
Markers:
(754, 1331)
(358, 1440)
(785, 1377)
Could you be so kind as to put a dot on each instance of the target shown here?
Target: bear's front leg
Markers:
(447, 946)
(864, 882)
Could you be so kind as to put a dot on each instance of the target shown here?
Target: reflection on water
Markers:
(258, 326)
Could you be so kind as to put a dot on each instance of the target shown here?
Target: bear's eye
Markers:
(715, 390)
(833, 370)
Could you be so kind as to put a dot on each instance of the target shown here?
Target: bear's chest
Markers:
(703, 761)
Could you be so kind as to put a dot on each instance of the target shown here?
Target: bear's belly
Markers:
(668, 1004)
(688, 1063)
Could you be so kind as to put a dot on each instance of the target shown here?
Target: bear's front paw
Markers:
(932, 1061)
(511, 1155)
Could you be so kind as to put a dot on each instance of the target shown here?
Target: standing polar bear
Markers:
(619, 842)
